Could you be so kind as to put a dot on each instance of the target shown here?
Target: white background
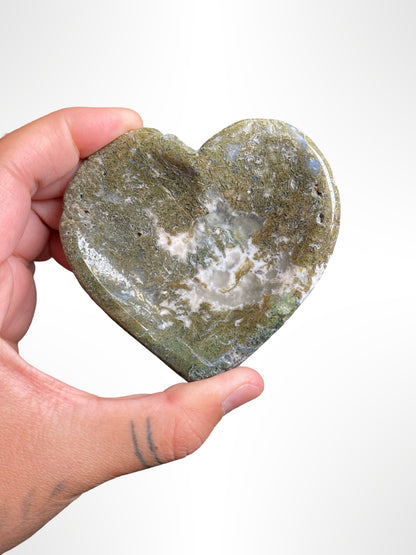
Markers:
(325, 461)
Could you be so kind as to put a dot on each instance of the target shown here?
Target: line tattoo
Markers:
(27, 504)
(150, 441)
(60, 486)
(136, 445)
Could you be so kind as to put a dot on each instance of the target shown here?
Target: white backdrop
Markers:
(324, 462)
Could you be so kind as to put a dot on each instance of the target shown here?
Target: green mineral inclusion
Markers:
(203, 254)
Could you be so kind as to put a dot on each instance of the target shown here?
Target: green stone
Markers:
(203, 254)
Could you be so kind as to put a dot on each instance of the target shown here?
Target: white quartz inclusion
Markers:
(100, 264)
(177, 245)
(233, 273)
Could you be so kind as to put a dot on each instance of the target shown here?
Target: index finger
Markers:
(37, 160)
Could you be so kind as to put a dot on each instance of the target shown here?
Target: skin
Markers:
(57, 442)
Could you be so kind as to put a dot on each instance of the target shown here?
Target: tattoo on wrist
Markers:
(60, 486)
(27, 504)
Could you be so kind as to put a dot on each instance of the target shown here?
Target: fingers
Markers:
(38, 159)
(128, 434)
(56, 250)
(17, 298)
(42, 152)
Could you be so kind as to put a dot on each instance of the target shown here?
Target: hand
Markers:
(57, 442)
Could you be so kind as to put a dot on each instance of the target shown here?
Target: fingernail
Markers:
(241, 395)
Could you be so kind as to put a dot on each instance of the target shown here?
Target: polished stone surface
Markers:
(202, 255)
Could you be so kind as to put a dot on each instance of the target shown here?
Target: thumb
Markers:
(133, 433)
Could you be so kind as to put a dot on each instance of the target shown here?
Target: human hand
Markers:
(57, 442)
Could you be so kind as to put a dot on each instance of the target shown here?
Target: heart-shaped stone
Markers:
(202, 255)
